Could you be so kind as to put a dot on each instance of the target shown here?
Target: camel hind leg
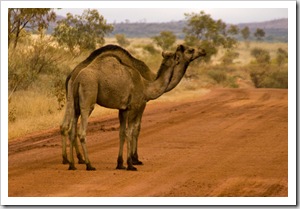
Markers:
(64, 149)
(82, 136)
(87, 100)
(73, 133)
(65, 130)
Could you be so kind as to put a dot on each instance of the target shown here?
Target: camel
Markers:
(129, 60)
(112, 50)
(125, 89)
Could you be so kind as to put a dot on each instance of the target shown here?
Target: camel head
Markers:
(188, 54)
(168, 58)
(167, 54)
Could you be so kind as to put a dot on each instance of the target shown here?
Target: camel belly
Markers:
(117, 84)
(112, 97)
(116, 91)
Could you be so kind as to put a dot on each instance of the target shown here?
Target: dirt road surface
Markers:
(230, 142)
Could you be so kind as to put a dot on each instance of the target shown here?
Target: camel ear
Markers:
(177, 58)
(166, 54)
(180, 48)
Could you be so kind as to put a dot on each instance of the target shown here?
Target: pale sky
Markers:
(228, 15)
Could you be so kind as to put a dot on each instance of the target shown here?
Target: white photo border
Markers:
(290, 200)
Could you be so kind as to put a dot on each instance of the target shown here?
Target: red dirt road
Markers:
(230, 142)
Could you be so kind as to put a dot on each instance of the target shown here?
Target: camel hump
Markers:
(123, 55)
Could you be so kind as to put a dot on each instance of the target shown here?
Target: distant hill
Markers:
(149, 29)
(272, 24)
(276, 30)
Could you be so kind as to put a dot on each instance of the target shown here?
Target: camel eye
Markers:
(191, 51)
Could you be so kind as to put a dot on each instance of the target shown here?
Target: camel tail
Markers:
(69, 116)
(69, 112)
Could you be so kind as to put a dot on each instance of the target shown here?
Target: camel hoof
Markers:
(131, 168)
(120, 167)
(137, 162)
(72, 167)
(81, 161)
(65, 161)
(89, 167)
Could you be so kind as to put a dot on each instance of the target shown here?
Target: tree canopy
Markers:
(259, 34)
(203, 31)
(20, 19)
(85, 31)
(165, 40)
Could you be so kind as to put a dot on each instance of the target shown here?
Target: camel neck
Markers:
(156, 88)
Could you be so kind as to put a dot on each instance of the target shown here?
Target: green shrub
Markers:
(165, 40)
(281, 56)
(217, 75)
(262, 56)
(229, 56)
(269, 76)
(151, 49)
(231, 82)
(121, 39)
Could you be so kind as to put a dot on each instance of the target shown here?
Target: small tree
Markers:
(246, 33)
(165, 40)
(22, 19)
(259, 34)
(233, 30)
(85, 31)
(41, 58)
(209, 34)
(121, 39)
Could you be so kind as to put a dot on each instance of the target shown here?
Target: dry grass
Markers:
(33, 111)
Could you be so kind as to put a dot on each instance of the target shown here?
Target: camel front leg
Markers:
(134, 121)
(122, 135)
(135, 157)
(136, 132)
(129, 138)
